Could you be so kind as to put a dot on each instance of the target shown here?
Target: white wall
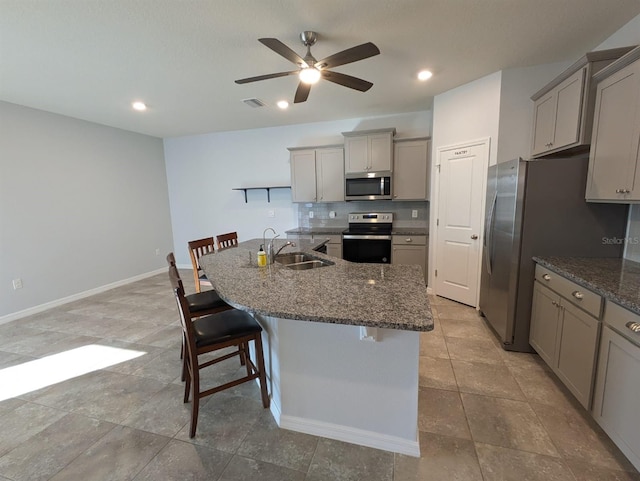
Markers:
(516, 107)
(81, 206)
(202, 170)
(467, 113)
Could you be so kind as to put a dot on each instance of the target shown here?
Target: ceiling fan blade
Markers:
(281, 49)
(302, 93)
(352, 54)
(265, 77)
(346, 80)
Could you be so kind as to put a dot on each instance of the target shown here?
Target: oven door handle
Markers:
(366, 237)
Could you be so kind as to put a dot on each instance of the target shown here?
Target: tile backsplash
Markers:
(402, 211)
(632, 247)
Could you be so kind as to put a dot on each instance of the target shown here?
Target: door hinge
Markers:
(436, 273)
(437, 222)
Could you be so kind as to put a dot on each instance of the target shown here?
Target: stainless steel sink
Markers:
(301, 261)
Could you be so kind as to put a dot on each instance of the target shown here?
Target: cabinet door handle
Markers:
(619, 191)
(554, 303)
(408, 239)
(474, 237)
(633, 326)
(578, 295)
(546, 277)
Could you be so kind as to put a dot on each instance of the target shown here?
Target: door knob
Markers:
(474, 237)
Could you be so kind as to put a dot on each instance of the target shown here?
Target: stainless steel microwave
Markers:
(368, 186)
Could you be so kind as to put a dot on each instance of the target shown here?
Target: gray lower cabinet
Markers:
(410, 250)
(565, 328)
(617, 391)
(334, 246)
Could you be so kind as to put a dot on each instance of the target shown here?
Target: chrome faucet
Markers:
(288, 243)
(269, 247)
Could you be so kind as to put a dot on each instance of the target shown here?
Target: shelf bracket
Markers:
(268, 189)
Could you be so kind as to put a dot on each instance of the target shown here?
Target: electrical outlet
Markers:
(414, 213)
(310, 214)
(157, 252)
(271, 213)
(17, 284)
(332, 214)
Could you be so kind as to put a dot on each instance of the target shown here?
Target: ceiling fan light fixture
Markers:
(424, 75)
(309, 75)
(139, 106)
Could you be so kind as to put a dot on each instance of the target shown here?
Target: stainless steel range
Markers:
(368, 238)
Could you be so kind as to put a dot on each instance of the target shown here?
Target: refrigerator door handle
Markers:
(488, 236)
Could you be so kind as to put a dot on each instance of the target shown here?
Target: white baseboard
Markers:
(81, 295)
(361, 437)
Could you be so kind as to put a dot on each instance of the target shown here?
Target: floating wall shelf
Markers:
(268, 189)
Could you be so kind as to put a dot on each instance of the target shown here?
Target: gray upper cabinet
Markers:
(368, 150)
(411, 169)
(563, 109)
(615, 154)
(317, 174)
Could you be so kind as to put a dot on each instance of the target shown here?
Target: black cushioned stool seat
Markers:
(223, 326)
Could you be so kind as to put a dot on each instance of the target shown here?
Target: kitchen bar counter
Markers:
(617, 280)
(370, 295)
(341, 343)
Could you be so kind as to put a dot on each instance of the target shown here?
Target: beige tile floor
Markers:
(485, 414)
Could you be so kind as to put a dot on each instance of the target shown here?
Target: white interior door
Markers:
(461, 183)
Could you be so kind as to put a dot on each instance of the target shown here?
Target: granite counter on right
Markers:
(617, 280)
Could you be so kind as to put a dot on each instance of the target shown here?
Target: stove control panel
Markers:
(373, 217)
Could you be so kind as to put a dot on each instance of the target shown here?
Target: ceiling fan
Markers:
(312, 70)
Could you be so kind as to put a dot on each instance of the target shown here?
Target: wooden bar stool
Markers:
(211, 333)
(224, 241)
(200, 304)
(198, 248)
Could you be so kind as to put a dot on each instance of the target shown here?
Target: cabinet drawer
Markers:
(618, 317)
(420, 240)
(578, 295)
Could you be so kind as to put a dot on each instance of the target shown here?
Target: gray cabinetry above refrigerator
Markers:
(563, 109)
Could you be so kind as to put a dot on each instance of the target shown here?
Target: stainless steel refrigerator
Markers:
(537, 208)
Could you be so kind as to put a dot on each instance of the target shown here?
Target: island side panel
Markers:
(334, 385)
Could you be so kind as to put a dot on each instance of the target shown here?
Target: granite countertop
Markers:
(372, 295)
(339, 230)
(410, 231)
(617, 280)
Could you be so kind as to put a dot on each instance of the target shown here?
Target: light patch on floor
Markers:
(34, 375)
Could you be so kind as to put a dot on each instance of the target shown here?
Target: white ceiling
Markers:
(90, 58)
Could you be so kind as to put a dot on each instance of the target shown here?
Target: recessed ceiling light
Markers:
(139, 106)
(424, 75)
(283, 104)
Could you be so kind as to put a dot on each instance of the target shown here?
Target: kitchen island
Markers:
(341, 342)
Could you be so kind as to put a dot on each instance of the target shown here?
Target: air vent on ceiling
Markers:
(255, 103)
